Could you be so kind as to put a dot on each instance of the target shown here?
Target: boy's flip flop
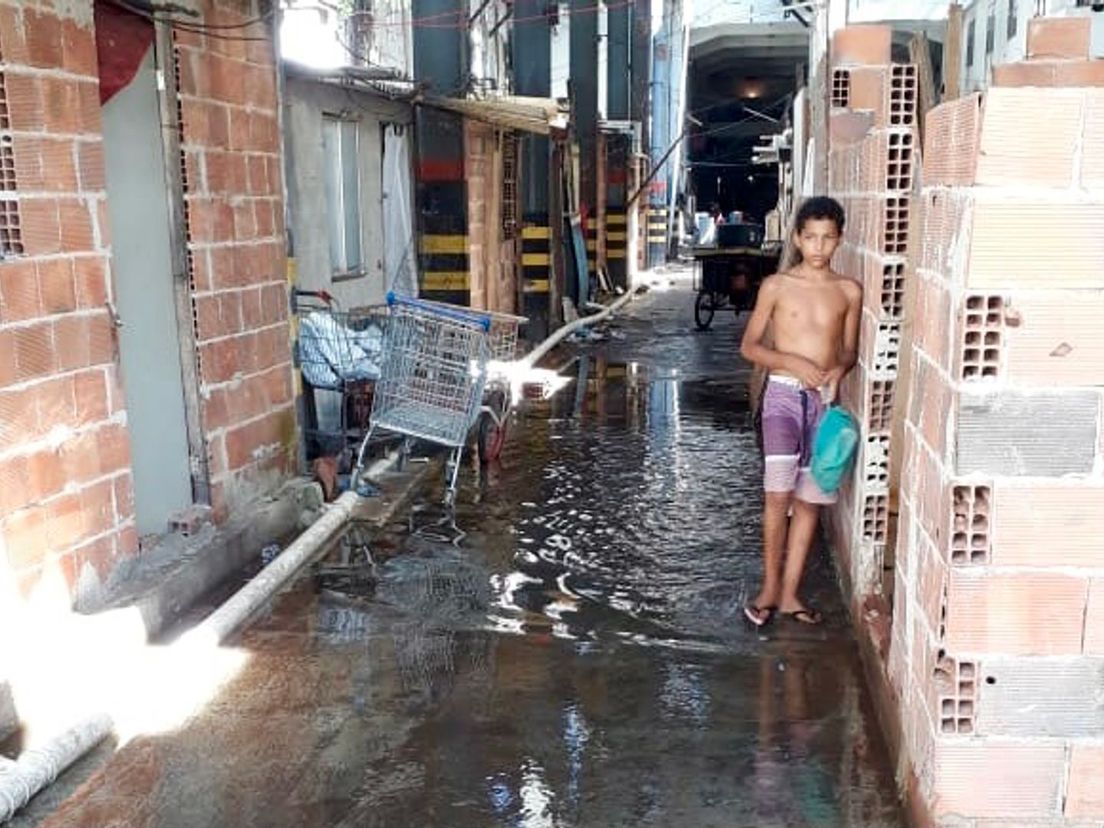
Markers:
(759, 616)
(805, 616)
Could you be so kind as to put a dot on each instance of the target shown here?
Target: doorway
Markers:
(145, 299)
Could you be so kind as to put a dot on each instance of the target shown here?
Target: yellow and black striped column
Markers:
(536, 273)
(445, 267)
(536, 259)
(657, 235)
(617, 245)
(592, 249)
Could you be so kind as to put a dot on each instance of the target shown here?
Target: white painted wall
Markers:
(308, 102)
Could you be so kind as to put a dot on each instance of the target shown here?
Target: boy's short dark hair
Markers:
(820, 207)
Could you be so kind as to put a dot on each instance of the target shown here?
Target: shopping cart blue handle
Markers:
(434, 308)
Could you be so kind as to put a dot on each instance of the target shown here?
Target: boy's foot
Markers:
(759, 616)
(804, 615)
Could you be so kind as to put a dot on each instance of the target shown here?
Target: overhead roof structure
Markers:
(540, 116)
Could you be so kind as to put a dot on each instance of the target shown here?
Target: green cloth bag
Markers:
(834, 448)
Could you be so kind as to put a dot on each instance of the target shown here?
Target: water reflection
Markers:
(576, 660)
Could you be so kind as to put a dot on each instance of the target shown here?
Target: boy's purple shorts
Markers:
(790, 419)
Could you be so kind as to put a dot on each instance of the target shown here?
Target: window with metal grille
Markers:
(509, 185)
(1013, 18)
(971, 35)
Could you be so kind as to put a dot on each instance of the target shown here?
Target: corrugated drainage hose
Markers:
(21, 779)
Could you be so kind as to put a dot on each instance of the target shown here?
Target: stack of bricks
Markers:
(997, 644)
(872, 160)
(235, 223)
(66, 497)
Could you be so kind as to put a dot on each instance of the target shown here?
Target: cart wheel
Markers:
(703, 311)
(492, 435)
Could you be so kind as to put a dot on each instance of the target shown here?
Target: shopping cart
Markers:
(338, 354)
(443, 369)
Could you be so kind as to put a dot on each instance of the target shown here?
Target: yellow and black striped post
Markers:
(657, 235)
(617, 245)
(592, 248)
(446, 274)
(536, 260)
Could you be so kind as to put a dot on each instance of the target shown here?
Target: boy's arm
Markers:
(849, 347)
(753, 350)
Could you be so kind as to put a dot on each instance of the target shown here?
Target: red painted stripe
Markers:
(441, 169)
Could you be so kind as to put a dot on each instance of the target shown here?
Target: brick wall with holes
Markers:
(66, 503)
(997, 641)
(235, 223)
(872, 162)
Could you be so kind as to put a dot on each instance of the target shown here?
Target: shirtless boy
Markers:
(813, 314)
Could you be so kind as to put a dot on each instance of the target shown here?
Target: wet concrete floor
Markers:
(577, 658)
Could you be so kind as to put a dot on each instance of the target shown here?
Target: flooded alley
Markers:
(571, 653)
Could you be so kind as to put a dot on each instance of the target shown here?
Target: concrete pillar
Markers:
(584, 94)
(640, 112)
(440, 62)
(615, 228)
(532, 61)
(661, 108)
(818, 93)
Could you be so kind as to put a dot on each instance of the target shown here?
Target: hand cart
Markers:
(728, 277)
(443, 369)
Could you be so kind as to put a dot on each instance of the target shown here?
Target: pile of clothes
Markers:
(332, 354)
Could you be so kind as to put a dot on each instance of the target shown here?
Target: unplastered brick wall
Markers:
(873, 159)
(997, 644)
(234, 215)
(66, 499)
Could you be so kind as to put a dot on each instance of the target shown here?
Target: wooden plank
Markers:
(952, 54)
(920, 55)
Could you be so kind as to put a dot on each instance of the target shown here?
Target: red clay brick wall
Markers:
(231, 148)
(65, 487)
(66, 499)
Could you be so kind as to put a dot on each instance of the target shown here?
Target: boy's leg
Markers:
(803, 527)
(781, 434)
(774, 549)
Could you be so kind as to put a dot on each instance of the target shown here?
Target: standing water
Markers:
(575, 655)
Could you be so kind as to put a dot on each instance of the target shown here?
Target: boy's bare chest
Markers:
(818, 306)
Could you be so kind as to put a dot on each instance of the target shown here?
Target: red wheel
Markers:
(492, 437)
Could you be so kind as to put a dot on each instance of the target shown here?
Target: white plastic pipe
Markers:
(534, 356)
(21, 779)
(232, 615)
(36, 768)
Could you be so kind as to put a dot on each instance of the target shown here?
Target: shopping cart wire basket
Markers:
(434, 370)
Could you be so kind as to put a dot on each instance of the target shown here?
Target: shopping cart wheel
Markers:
(703, 310)
(492, 435)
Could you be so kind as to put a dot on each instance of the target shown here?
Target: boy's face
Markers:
(817, 240)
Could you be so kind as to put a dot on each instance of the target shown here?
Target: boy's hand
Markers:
(833, 379)
(809, 375)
